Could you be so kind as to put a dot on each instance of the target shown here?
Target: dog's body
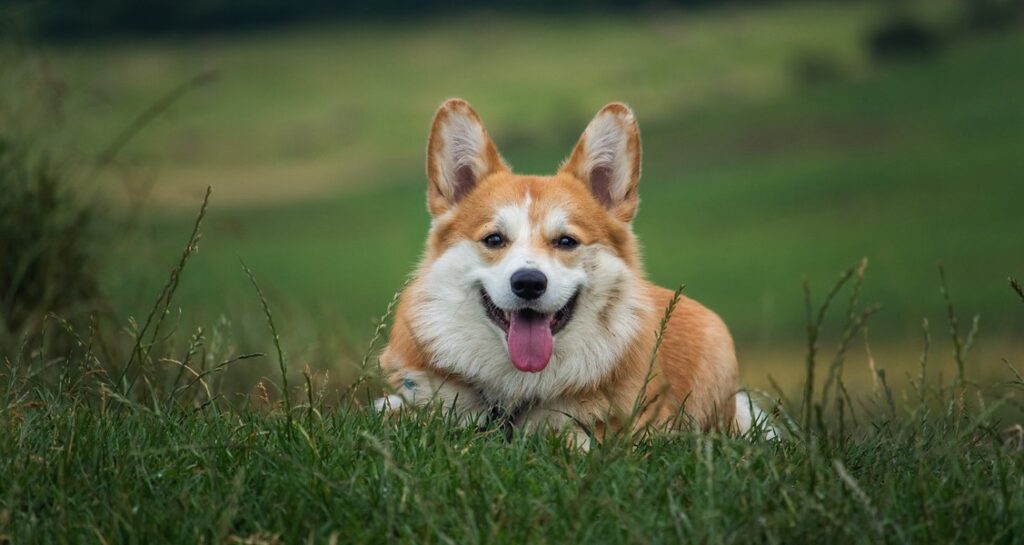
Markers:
(531, 300)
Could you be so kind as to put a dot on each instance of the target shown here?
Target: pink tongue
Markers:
(529, 340)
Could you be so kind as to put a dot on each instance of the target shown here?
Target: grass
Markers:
(80, 463)
(73, 473)
(310, 135)
(86, 457)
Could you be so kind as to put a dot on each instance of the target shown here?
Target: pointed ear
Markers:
(460, 153)
(607, 159)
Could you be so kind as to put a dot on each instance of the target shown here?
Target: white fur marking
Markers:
(748, 414)
(388, 403)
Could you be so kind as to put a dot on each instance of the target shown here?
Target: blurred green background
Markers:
(782, 140)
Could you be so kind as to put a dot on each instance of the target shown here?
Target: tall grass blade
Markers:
(1017, 288)
(281, 362)
(140, 353)
(378, 334)
(641, 402)
(814, 332)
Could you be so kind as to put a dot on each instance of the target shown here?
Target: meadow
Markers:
(776, 152)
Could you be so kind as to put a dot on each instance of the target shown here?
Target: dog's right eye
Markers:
(493, 240)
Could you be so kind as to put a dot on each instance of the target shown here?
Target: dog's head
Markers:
(529, 260)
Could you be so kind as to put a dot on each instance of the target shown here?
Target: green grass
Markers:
(76, 474)
(83, 458)
(167, 456)
(312, 139)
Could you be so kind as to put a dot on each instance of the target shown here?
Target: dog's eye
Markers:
(493, 240)
(566, 242)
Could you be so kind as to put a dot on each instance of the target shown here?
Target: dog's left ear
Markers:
(460, 153)
(607, 159)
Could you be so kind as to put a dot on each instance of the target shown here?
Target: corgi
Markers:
(530, 302)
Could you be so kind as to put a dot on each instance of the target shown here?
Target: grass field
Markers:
(85, 458)
(312, 138)
(76, 474)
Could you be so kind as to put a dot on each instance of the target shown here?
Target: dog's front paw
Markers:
(577, 438)
(388, 404)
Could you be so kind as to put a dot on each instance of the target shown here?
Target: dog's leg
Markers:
(559, 416)
(423, 388)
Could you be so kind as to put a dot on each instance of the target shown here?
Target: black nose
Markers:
(529, 283)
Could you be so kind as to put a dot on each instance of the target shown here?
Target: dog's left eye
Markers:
(566, 242)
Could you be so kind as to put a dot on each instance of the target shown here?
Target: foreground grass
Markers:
(74, 473)
(92, 450)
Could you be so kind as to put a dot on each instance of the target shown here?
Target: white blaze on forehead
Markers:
(513, 220)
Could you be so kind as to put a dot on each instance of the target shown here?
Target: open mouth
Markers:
(529, 333)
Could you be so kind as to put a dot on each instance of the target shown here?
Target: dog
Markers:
(530, 302)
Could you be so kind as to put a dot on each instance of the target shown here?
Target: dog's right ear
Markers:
(460, 153)
(607, 160)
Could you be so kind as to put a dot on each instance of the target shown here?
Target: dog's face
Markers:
(526, 271)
